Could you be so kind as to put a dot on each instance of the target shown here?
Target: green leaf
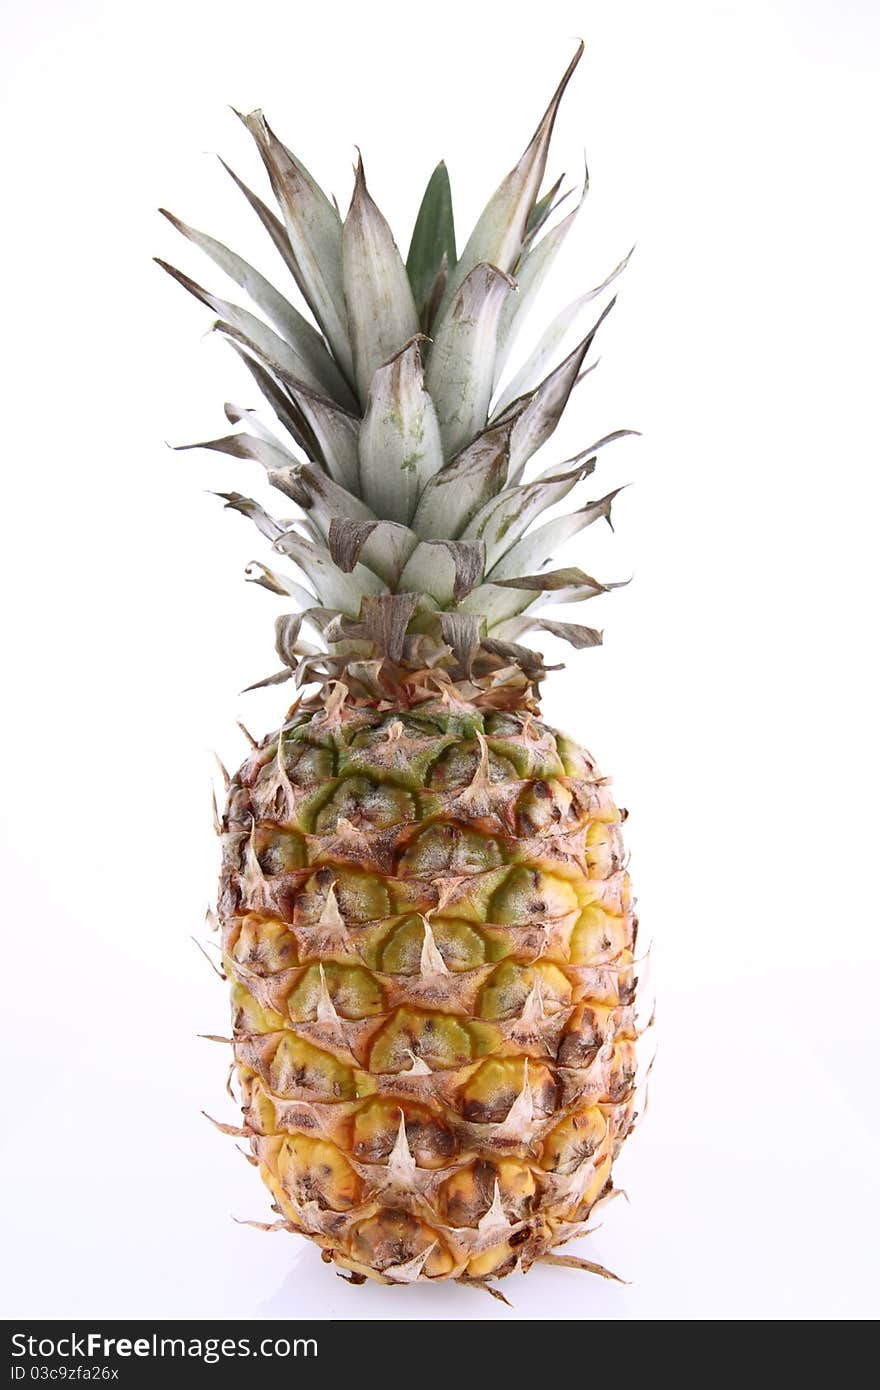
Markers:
(542, 210)
(433, 238)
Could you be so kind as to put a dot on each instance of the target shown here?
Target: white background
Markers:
(735, 702)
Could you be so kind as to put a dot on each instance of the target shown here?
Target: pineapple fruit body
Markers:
(428, 930)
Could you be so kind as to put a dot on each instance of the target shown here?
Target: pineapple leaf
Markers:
(543, 209)
(469, 559)
(566, 581)
(538, 413)
(531, 663)
(335, 433)
(461, 366)
(288, 644)
(575, 633)
(315, 235)
(346, 539)
(501, 522)
(445, 571)
(265, 524)
(273, 225)
(433, 242)
(530, 276)
(387, 551)
(272, 348)
(552, 338)
(462, 632)
(242, 415)
(579, 593)
(435, 295)
(384, 546)
(320, 498)
(381, 311)
(506, 517)
(537, 547)
(496, 604)
(399, 447)
(323, 429)
(287, 413)
(257, 573)
(246, 446)
(306, 342)
(454, 494)
(385, 619)
(277, 678)
(419, 508)
(501, 230)
(334, 589)
(506, 598)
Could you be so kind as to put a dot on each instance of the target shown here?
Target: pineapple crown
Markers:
(419, 566)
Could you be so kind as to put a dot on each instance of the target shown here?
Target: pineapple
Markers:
(425, 917)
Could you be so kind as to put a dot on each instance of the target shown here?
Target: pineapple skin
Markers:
(429, 935)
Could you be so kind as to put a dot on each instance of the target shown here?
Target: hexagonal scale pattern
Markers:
(429, 934)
